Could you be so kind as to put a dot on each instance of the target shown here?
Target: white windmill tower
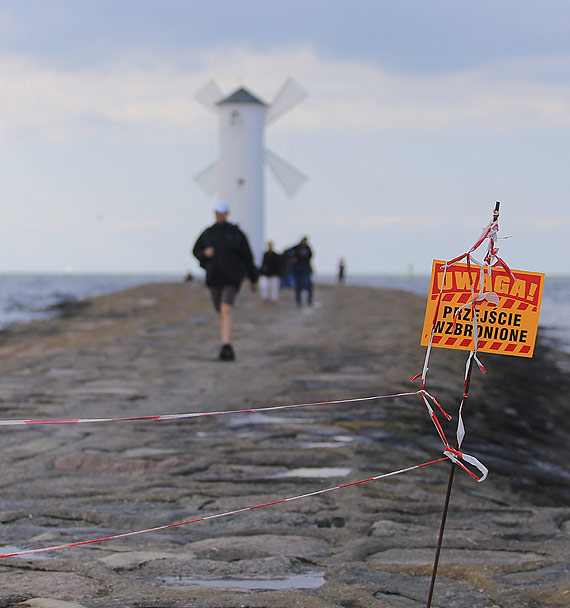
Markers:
(237, 176)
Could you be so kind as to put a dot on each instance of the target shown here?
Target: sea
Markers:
(25, 297)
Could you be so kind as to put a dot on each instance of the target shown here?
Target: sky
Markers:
(419, 116)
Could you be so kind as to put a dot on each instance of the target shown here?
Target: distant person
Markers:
(341, 268)
(302, 271)
(224, 251)
(287, 280)
(270, 275)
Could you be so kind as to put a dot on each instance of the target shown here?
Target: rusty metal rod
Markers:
(447, 496)
(440, 536)
(466, 386)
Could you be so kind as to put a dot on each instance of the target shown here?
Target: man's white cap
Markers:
(222, 207)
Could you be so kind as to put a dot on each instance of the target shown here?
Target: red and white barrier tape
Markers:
(225, 514)
(452, 453)
(197, 414)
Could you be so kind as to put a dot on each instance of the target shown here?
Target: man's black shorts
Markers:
(225, 294)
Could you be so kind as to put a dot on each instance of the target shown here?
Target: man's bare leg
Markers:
(225, 318)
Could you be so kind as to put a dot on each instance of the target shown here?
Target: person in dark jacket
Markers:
(224, 252)
(270, 275)
(302, 270)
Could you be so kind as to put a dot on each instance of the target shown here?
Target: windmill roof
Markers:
(241, 96)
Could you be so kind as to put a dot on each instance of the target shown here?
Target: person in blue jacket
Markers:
(302, 270)
(223, 250)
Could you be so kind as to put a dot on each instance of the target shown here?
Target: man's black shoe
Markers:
(227, 353)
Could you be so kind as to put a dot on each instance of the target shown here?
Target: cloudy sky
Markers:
(419, 116)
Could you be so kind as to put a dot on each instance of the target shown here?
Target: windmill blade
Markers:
(289, 96)
(208, 179)
(288, 176)
(209, 94)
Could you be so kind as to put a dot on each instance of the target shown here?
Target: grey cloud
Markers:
(413, 37)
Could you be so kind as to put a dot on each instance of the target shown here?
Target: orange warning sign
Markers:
(507, 328)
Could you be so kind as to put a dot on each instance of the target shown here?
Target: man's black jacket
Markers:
(232, 259)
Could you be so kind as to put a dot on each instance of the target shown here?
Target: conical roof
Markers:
(241, 96)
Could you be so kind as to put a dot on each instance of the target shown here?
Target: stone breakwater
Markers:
(152, 350)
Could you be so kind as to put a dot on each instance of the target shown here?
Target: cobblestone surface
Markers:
(152, 350)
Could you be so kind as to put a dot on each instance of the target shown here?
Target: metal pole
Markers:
(447, 496)
(466, 386)
(440, 537)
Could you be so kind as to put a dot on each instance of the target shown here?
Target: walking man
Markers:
(224, 252)
(302, 271)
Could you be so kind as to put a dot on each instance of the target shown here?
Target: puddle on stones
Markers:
(256, 418)
(317, 445)
(310, 580)
(336, 441)
(315, 472)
